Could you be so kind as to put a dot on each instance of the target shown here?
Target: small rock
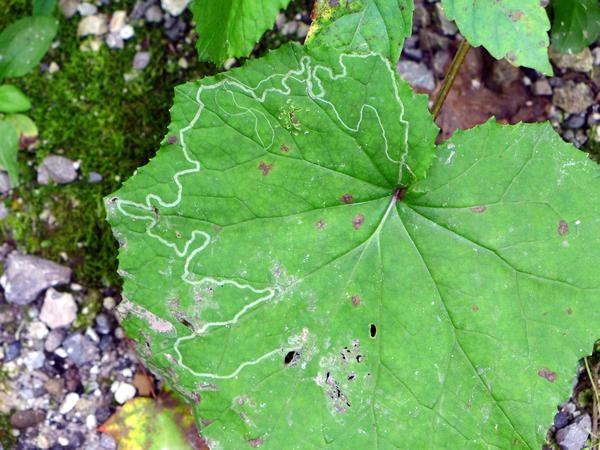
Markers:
(561, 419)
(80, 349)
(59, 309)
(154, 14)
(174, 7)
(176, 29)
(25, 277)
(503, 74)
(55, 387)
(183, 63)
(34, 360)
(59, 169)
(417, 75)
(542, 87)
(69, 403)
(117, 21)
(87, 9)
(27, 419)
(94, 178)
(579, 62)
(141, 60)
(93, 25)
(574, 436)
(289, 28)
(107, 443)
(114, 41)
(4, 183)
(573, 97)
(53, 68)
(596, 56)
(123, 392)
(127, 32)
(37, 330)
(447, 26)
(13, 350)
(68, 7)
(108, 303)
(54, 339)
(140, 8)
(143, 383)
(103, 324)
(575, 121)
(302, 30)
(3, 211)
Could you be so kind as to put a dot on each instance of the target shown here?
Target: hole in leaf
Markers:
(290, 357)
(372, 330)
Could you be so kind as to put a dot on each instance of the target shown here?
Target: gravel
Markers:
(57, 169)
(59, 309)
(574, 436)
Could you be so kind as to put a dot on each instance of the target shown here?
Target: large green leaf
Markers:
(231, 28)
(363, 25)
(512, 29)
(9, 149)
(13, 100)
(24, 43)
(576, 24)
(280, 276)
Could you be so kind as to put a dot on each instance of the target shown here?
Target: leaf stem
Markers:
(461, 53)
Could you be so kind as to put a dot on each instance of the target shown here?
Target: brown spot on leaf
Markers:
(346, 198)
(358, 221)
(399, 194)
(475, 308)
(547, 374)
(515, 16)
(569, 311)
(172, 140)
(563, 227)
(265, 168)
(321, 224)
(256, 442)
(178, 234)
(355, 300)
(479, 209)
(284, 148)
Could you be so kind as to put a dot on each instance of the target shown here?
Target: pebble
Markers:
(53, 68)
(3, 211)
(55, 387)
(574, 436)
(575, 121)
(79, 349)
(573, 97)
(87, 9)
(27, 418)
(127, 32)
(114, 41)
(416, 74)
(154, 14)
(4, 183)
(141, 60)
(54, 339)
(68, 7)
(93, 25)
(95, 177)
(122, 391)
(561, 419)
(542, 87)
(117, 21)
(34, 360)
(37, 330)
(26, 276)
(174, 7)
(69, 403)
(59, 309)
(108, 303)
(103, 324)
(596, 56)
(58, 169)
(579, 62)
(13, 350)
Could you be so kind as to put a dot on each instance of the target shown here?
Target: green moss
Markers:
(88, 112)
(89, 311)
(7, 440)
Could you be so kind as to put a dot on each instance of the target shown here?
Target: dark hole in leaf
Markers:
(351, 377)
(290, 357)
(359, 358)
(186, 323)
(372, 330)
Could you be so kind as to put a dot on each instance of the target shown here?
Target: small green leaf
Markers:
(286, 261)
(13, 100)
(44, 7)
(24, 43)
(154, 424)
(513, 29)
(576, 24)
(25, 127)
(9, 149)
(231, 28)
(363, 25)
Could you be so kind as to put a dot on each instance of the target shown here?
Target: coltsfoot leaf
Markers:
(513, 29)
(290, 270)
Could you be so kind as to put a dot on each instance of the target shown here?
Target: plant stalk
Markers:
(460, 56)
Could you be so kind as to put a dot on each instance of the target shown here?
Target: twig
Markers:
(594, 381)
(461, 53)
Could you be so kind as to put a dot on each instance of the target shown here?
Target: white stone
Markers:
(174, 7)
(59, 309)
(53, 68)
(117, 21)
(114, 41)
(69, 402)
(37, 330)
(108, 303)
(68, 7)
(123, 392)
(91, 422)
(87, 9)
(94, 25)
(127, 32)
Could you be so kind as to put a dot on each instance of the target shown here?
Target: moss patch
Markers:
(89, 112)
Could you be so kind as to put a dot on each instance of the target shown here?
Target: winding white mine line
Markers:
(314, 88)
